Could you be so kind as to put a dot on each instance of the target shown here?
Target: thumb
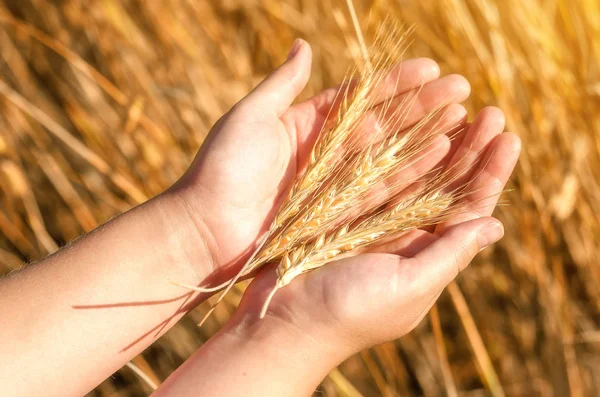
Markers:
(278, 91)
(443, 259)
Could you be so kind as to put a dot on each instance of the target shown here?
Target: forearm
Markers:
(91, 307)
(268, 358)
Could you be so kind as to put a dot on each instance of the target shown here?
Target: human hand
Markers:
(253, 153)
(368, 299)
(324, 316)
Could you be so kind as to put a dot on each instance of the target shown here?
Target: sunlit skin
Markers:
(92, 307)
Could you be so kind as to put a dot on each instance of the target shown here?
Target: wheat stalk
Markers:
(358, 96)
(318, 221)
(359, 176)
(428, 204)
(348, 239)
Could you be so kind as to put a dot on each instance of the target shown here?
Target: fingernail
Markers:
(295, 48)
(489, 234)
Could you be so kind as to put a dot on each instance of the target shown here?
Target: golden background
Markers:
(104, 103)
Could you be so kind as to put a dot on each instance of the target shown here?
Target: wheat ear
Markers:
(376, 164)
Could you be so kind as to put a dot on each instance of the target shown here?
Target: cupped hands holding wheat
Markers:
(396, 238)
(349, 169)
(252, 156)
(349, 193)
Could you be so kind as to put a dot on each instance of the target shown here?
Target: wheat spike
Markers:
(323, 215)
(351, 189)
(402, 217)
(350, 239)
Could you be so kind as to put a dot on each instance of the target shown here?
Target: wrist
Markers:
(268, 357)
(186, 240)
(276, 331)
(292, 340)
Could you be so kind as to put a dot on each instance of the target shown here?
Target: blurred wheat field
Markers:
(104, 103)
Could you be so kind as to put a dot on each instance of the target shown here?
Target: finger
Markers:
(305, 119)
(487, 125)
(441, 261)
(434, 136)
(490, 179)
(467, 149)
(458, 137)
(403, 77)
(433, 95)
(406, 110)
(406, 76)
(279, 90)
(407, 245)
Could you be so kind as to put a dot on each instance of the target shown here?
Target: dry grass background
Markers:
(104, 103)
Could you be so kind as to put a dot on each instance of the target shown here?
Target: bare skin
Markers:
(94, 305)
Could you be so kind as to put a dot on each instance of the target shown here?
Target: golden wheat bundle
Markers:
(352, 193)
